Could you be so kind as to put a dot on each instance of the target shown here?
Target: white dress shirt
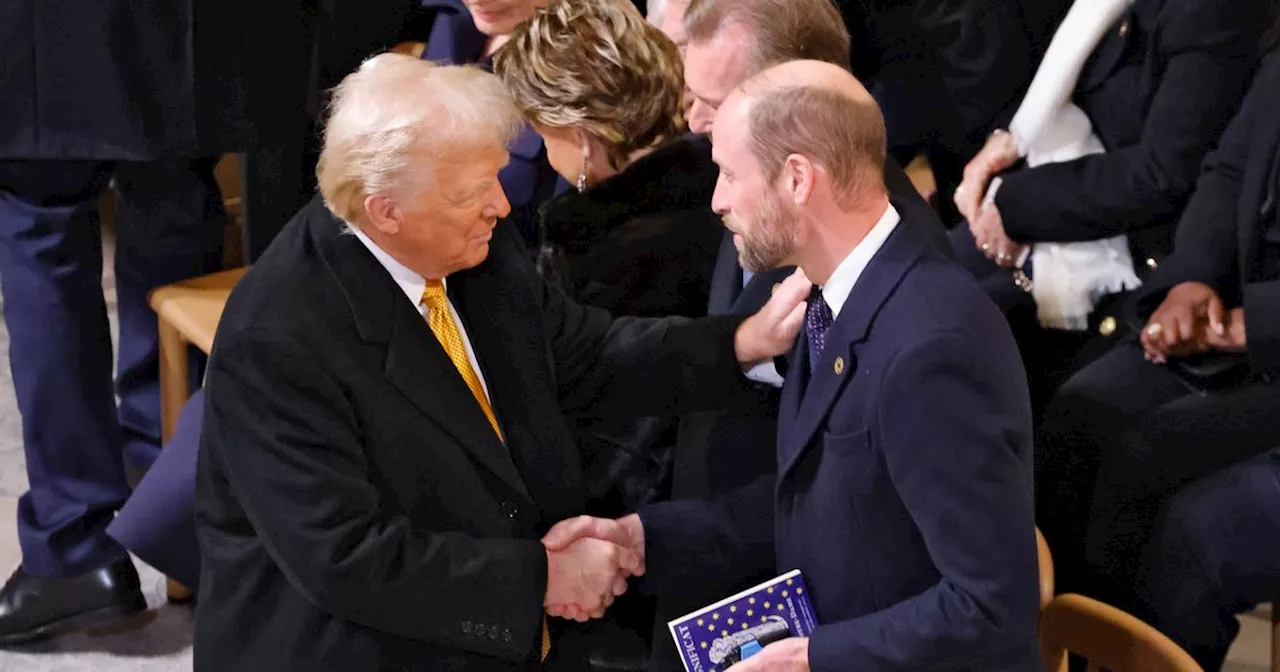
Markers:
(413, 285)
(840, 284)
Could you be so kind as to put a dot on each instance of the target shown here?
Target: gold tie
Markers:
(446, 331)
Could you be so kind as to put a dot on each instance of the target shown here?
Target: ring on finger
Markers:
(1154, 329)
(986, 247)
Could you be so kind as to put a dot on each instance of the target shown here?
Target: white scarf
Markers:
(1049, 128)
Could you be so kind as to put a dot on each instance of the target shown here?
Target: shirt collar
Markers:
(846, 275)
(412, 284)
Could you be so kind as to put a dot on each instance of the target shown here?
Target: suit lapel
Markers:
(421, 370)
(726, 278)
(549, 469)
(416, 365)
(837, 363)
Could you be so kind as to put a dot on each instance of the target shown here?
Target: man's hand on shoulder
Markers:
(773, 330)
(588, 563)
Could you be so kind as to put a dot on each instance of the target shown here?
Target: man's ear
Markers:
(799, 177)
(383, 214)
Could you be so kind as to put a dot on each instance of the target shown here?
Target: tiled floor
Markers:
(164, 643)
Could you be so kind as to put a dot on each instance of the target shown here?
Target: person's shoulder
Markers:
(287, 287)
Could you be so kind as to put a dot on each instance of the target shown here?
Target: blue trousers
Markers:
(76, 435)
(1216, 554)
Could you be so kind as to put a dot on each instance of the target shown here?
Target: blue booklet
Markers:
(731, 630)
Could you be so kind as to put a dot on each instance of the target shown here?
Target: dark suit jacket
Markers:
(1220, 238)
(355, 510)
(944, 71)
(719, 452)
(707, 439)
(1160, 89)
(905, 489)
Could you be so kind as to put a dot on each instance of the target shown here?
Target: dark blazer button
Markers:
(509, 509)
(506, 634)
(466, 627)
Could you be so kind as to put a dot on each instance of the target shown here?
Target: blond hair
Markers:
(781, 30)
(395, 110)
(843, 135)
(599, 66)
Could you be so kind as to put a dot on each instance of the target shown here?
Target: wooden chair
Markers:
(1046, 570)
(1109, 639)
(188, 313)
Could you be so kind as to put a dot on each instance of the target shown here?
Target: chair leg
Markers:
(173, 394)
(1275, 636)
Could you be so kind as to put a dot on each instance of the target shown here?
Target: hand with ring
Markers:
(995, 157)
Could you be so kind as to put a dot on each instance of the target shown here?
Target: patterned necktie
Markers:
(450, 338)
(817, 320)
(446, 331)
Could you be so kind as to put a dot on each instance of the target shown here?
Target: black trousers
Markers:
(1216, 554)
(1117, 440)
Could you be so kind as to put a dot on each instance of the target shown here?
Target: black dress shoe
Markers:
(34, 607)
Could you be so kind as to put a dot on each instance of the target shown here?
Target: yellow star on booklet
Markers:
(701, 622)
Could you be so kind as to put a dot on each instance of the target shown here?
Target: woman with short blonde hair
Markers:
(595, 76)
(603, 88)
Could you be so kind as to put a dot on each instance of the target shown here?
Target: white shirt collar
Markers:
(412, 284)
(846, 275)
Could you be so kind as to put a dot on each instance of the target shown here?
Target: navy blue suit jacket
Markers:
(905, 488)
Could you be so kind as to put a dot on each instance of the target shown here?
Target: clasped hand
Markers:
(588, 563)
(1191, 320)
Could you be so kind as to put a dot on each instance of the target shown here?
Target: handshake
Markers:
(588, 563)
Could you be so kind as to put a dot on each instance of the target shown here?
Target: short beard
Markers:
(772, 239)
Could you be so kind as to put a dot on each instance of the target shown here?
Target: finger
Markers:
(619, 587)
(582, 616)
(794, 320)
(597, 614)
(795, 288)
(555, 610)
(1217, 315)
(564, 533)
(1181, 327)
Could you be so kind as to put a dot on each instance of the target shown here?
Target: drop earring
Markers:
(582, 176)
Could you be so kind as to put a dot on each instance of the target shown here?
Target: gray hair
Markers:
(395, 110)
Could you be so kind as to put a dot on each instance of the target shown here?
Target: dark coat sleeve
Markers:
(1211, 47)
(630, 366)
(1206, 244)
(282, 433)
(693, 545)
(977, 522)
(1262, 325)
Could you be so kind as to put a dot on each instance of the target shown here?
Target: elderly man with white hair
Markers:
(385, 439)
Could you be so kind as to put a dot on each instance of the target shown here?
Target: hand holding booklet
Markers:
(718, 636)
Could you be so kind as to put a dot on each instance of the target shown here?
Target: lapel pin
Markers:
(839, 365)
